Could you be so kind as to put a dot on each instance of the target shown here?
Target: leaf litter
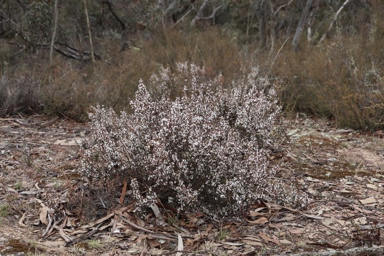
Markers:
(342, 170)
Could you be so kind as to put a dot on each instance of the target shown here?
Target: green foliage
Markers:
(223, 233)
(4, 210)
(94, 244)
(18, 185)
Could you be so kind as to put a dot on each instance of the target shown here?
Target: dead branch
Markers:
(49, 227)
(73, 53)
(22, 219)
(182, 18)
(63, 235)
(136, 226)
(282, 6)
(199, 15)
(170, 7)
(82, 237)
(334, 20)
(114, 14)
(212, 14)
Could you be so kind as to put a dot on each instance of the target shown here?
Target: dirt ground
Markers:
(342, 171)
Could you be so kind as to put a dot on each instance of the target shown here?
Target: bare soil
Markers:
(342, 171)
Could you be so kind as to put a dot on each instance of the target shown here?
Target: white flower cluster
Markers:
(204, 150)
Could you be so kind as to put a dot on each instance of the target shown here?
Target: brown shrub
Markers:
(68, 88)
(19, 93)
(341, 79)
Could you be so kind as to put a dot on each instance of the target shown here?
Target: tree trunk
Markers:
(54, 32)
(89, 31)
(262, 24)
(300, 26)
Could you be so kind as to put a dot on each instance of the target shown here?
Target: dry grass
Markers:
(68, 88)
(342, 79)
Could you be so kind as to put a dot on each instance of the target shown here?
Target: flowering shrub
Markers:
(205, 150)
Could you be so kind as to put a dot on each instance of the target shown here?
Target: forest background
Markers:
(324, 56)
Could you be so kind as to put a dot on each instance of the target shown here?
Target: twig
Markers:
(125, 183)
(328, 245)
(182, 18)
(63, 235)
(153, 233)
(303, 214)
(21, 221)
(173, 252)
(136, 226)
(83, 237)
(48, 123)
(49, 227)
(277, 54)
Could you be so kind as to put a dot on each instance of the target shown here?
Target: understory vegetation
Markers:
(205, 150)
(51, 67)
